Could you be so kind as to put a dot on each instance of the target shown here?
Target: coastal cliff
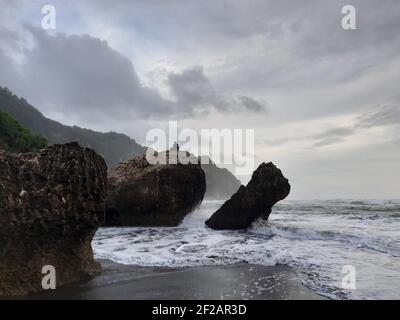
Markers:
(266, 187)
(51, 204)
(144, 194)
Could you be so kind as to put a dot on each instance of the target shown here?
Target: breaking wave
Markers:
(316, 238)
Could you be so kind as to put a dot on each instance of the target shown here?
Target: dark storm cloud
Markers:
(252, 105)
(311, 21)
(315, 49)
(294, 54)
(84, 75)
(192, 87)
(308, 46)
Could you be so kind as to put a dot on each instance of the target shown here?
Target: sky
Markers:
(324, 102)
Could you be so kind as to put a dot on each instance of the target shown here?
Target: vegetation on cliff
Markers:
(15, 139)
(114, 147)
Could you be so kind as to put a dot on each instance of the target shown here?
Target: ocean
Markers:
(320, 240)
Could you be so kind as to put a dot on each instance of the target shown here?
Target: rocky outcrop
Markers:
(266, 187)
(51, 204)
(144, 194)
(114, 147)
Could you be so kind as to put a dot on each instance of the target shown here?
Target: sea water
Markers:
(318, 239)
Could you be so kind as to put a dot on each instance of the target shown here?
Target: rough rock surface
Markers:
(51, 204)
(266, 187)
(144, 194)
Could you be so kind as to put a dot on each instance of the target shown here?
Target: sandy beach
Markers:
(240, 281)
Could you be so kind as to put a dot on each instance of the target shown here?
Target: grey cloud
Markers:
(381, 116)
(334, 132)
(327, 141)
(296, 54)
(8, 75)
(279, 141)
(312, 45)
(328, 137)
(365, 171)
(8, 38)
(332, 136)
(272, 142)
(286, 45)
(83, 75)
(386, 115)
(252, 105)
(8, 70)
(193, 88)
(314, 26)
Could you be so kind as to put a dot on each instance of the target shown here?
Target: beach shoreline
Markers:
(239, 281)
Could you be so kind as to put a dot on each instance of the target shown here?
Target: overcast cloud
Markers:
(323, 100)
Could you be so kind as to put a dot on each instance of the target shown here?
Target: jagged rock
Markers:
(144, 194)
(51, 204)
(266, 187)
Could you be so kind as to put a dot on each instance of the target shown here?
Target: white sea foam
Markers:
(316, 238)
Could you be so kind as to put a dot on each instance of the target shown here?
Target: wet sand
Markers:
(240, 281)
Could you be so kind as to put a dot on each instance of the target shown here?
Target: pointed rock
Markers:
(266, 187)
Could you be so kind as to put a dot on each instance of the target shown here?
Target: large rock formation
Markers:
(114, 147)
(51, 204)
(266, 187)
(144, 194)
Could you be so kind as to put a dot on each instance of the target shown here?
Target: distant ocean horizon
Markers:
(317, 238)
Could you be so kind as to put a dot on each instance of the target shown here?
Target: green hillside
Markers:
(114, 147)
(15, 139)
